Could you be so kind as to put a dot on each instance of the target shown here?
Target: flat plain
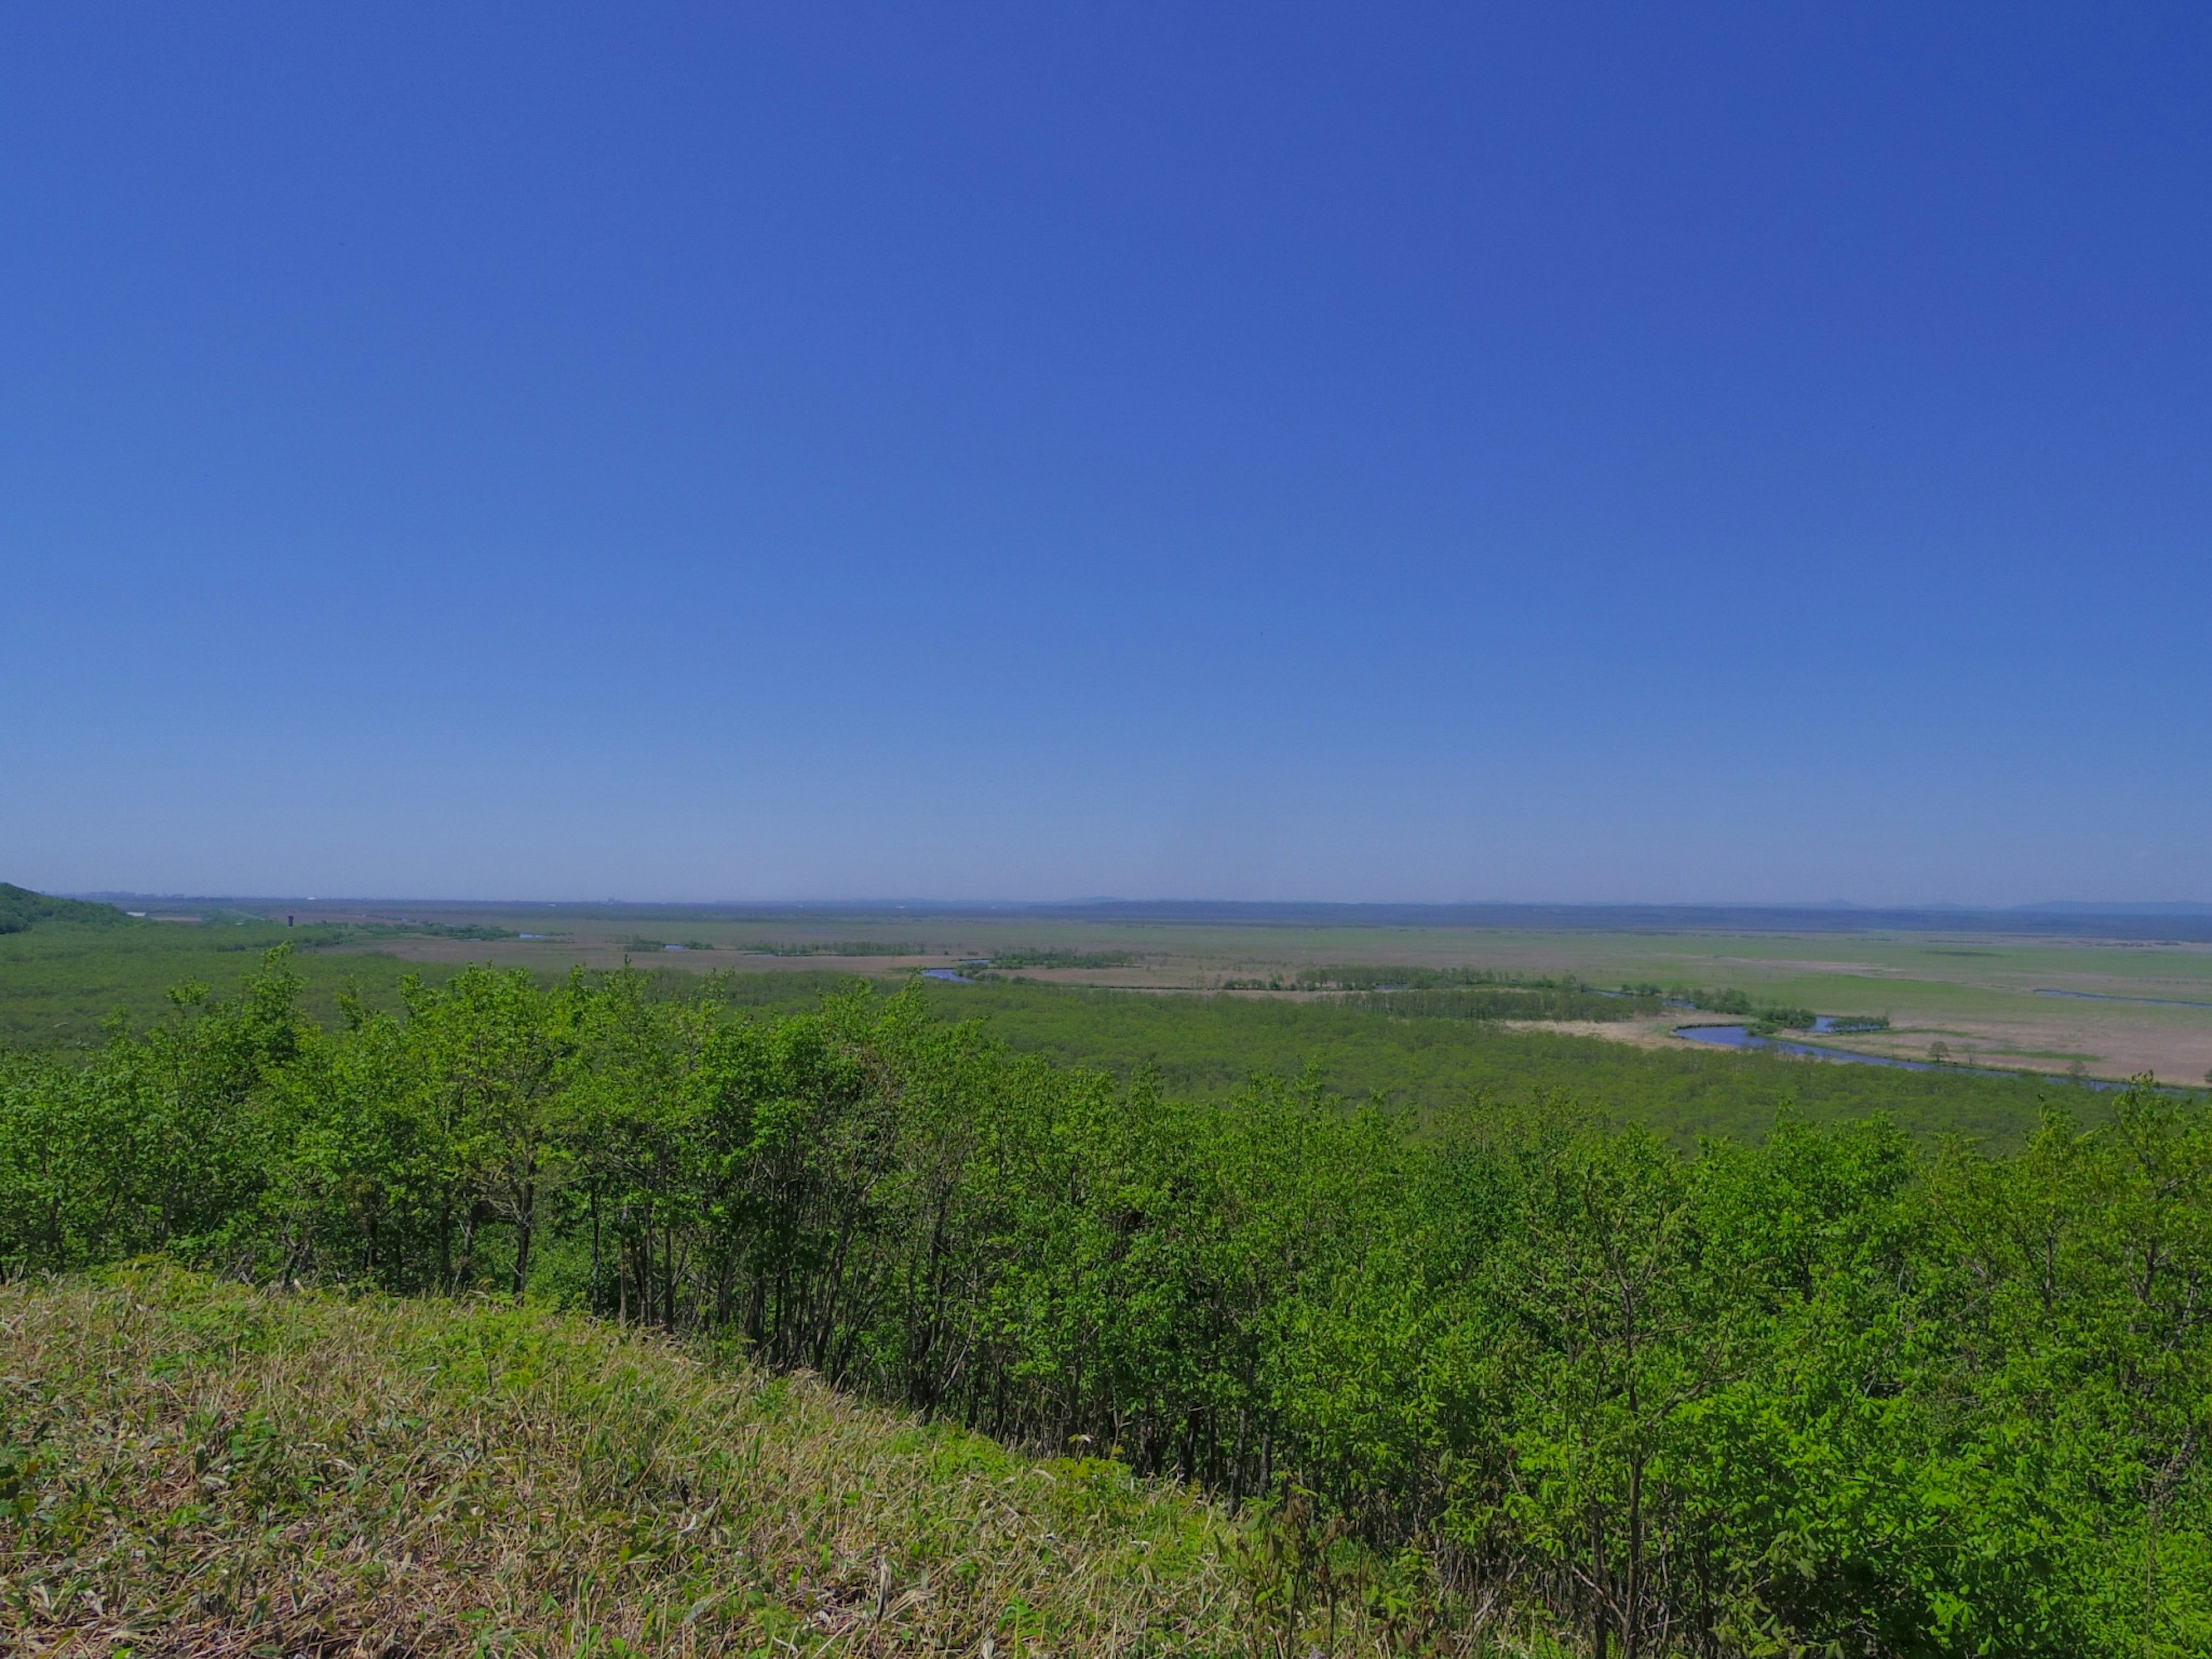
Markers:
(2040, 1002)
(2037, 999)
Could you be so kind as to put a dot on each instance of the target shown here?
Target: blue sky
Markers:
(1739, 452)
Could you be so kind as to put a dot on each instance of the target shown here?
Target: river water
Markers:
(2101, 996)
(1740, 1036)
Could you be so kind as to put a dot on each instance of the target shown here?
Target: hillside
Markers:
(196, 1467)
(22, 910)
(1832, 1390)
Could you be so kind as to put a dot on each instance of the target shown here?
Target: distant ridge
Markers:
(2131, 922)
(2091, 908)
(2136, 924)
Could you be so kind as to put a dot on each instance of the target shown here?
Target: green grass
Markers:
(195, 1467)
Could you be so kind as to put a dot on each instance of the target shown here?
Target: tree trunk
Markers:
(1600, 1614)
(524, 1226)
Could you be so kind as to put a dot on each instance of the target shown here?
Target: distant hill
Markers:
(2094, 907)
(22, 910)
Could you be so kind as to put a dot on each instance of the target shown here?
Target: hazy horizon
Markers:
(1077, 902)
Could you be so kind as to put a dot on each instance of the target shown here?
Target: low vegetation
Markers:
(1211, 1047)
(1021, 958)
(1461, 1370)
(195, 1467)
(841, 947)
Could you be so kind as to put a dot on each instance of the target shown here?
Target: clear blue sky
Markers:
(1754, 453)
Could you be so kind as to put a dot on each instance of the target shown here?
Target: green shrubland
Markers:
(22, 910)
(1387, 1045)
(1835, 1390)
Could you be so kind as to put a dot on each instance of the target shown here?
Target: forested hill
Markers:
(1826, 1391)
(22, 910)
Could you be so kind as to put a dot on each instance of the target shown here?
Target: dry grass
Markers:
(197, 1468)
(214, 1470)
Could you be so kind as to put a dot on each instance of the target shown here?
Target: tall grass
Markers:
(195, 1467)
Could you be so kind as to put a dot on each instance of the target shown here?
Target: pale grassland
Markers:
(192, 1468)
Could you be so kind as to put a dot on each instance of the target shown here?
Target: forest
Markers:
(1833, 1388)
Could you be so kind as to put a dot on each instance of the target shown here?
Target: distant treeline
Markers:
(847, 947)
(1467, 994)
(1826, 1393)
(1369, 977)
(1769, 1016)
(1505, 1002)
(1043, 956)
(1002, 961)
(341, 931)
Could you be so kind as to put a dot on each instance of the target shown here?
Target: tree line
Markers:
(1829, 1393)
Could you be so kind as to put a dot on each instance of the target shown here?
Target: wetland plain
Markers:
(2114, 996)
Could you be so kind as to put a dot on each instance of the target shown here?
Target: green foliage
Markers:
(1766, 1018)
(61, 982)
(346, 931)
(847, 947)
(1211, 1047)
(22, 910)
(1039, 957)
(1833, 1391)
(1505, 1002)
(1382, 976)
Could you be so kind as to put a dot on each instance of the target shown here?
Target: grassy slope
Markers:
(21, 908)
(191, 1468)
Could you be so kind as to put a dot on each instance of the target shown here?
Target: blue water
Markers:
(2099, 996)
(1740, 1036)
(954, 975)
